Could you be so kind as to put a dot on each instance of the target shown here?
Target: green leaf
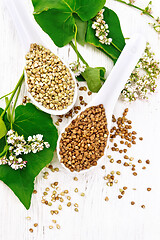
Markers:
(80, 78)
(3, 129)
(92, 76)
(58, 25)
(102, 73)
(81, 30)
(118, 42)
(57, 17)
(2, 140)
(28, 122)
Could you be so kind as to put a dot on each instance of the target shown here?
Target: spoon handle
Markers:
(120, 73)
(23, 21)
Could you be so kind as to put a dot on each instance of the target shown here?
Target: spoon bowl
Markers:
(114, 84)
(50, 111)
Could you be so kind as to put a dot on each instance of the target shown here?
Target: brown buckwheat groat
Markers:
(85, 139)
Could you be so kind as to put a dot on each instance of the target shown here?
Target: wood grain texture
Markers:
(96, 219)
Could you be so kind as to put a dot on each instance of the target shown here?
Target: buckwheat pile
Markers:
(49, 80)
(85, 139)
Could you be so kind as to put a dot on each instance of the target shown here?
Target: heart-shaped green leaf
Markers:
(57, 17)
(28, 122)
(92, 76)
(118, 42)
(3, 129)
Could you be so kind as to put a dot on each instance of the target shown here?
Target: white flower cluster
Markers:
(143, 79)
(101, 28)
(77, 68)
(18, 146)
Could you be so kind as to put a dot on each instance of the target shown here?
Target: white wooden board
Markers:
(96, 219)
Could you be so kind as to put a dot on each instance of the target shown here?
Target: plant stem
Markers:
(78, 54)
(14, 106)
(8, 110)
(156, 26)
(75, 36)
(5, 95)
(134, 6)
(14, 91)
(116, 47)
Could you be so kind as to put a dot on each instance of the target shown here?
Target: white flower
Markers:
(101, 37)
(27, 149)
(3, 161)
(14, 166)
(102, 11)
(17, 151)
(47, 145)
(19, 145)
(39, 137)
(21, 138)
(97, 33)
(21, 149)
(11, 157)
(11, 148)
(106, 26)
(99, 19)
(34, 138)
(10, 140)
(22, 166)
(19, 160)
(34, 150)
(29, 139)
(10, 132)
(40, 147)
(94, 25)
